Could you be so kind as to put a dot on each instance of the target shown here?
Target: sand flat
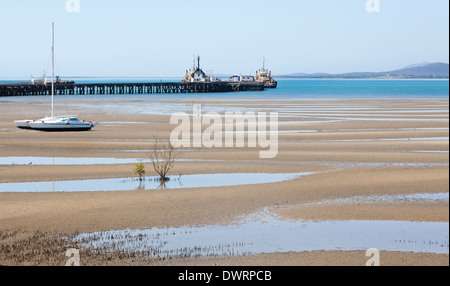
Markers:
(366, 161)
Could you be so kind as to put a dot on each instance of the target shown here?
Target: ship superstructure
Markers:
(196, 74)
(264, 75)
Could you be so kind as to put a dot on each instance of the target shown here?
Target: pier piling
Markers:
(71, 88)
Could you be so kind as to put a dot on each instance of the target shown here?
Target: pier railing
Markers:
(24, 89)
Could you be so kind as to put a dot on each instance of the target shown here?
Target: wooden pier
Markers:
(72, 88)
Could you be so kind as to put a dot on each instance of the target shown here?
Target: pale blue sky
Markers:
(158, 38)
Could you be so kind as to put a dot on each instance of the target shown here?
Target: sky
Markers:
(146, 38)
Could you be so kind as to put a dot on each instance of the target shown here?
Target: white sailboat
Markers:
(55, 123)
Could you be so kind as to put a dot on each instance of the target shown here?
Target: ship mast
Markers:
(53, 63)
(263, 62)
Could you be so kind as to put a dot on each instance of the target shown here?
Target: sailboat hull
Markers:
(23, 124)
(55, 124)
(60, 129)
(53, 127)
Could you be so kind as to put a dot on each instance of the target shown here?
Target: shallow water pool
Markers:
(269, 234)
(151, 183)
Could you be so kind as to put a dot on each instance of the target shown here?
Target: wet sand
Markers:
(352, 157)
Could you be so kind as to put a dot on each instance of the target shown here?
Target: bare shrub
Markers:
(163, 156)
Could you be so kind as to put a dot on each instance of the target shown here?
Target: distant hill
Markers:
(416, 65)
(430, 70)
(425, 70)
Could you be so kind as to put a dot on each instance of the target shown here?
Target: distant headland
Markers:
(424, 71)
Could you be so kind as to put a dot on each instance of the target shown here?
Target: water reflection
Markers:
(265, 233)
(80, 161)
(151, 183)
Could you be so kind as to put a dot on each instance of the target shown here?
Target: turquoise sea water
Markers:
(349, 88)
(302, 89)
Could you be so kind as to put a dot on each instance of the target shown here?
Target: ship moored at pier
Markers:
(265, 76)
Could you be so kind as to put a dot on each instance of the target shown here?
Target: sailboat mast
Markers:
(53, 64)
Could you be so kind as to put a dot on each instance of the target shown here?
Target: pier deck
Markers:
(28, 89)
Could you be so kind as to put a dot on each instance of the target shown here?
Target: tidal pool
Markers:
(332, 130)
(391, 139)
(269, 234)
(363, 164)
(410, 198)
(81, 160)
(151, 183)
(429, 151)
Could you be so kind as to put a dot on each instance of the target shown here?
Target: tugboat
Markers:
(264, 75)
